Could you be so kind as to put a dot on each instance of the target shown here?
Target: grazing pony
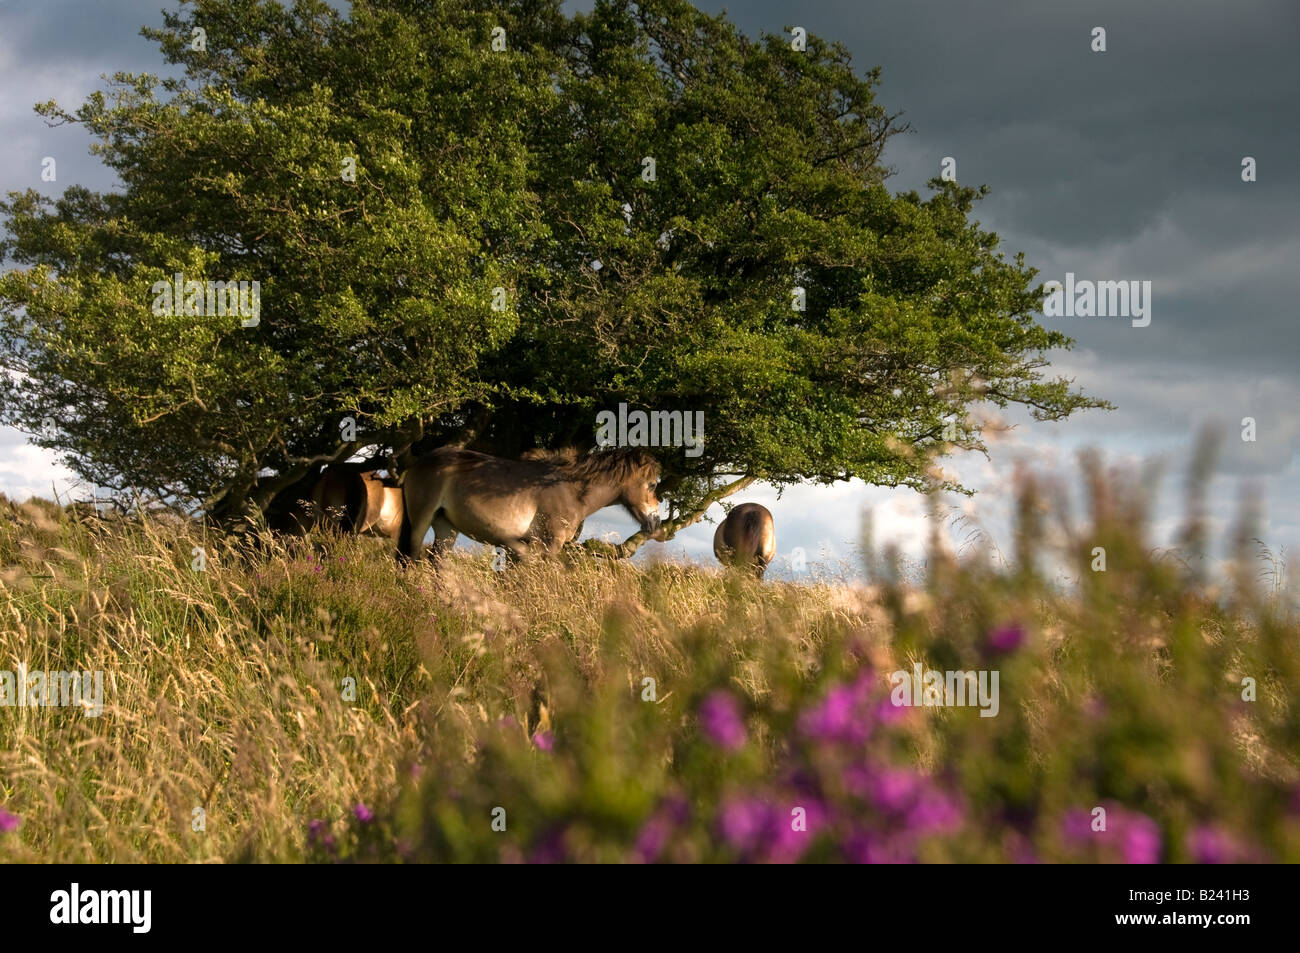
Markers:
(747, 538)
(531, 507)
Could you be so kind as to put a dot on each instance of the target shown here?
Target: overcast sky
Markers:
(1115, 165)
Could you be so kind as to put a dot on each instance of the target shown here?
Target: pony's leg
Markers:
(549, 537)
(570, 552)
(554, 546)
(416, 517)
(444, 537)
(523, 550)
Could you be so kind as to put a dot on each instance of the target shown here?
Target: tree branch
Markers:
(668, 530)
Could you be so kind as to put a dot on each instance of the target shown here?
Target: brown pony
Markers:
(531, 507)
(364, 502)
(345, 498)
(747, 537)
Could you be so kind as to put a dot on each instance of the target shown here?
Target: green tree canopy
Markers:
(648, 185)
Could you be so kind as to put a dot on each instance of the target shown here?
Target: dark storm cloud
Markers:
(59, 50)
(53, 33)
(1122, 164)
(1014, 91)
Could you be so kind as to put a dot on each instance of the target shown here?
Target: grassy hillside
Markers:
(522, 700)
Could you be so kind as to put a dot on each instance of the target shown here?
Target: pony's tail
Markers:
(404, 547)
(357, 502)
(753, 535)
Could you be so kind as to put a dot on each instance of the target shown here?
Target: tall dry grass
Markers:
(227, 690)
(224, 688)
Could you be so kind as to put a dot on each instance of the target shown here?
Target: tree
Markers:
(546, 216)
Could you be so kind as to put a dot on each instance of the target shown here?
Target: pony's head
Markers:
(635, 474)
(640, 493)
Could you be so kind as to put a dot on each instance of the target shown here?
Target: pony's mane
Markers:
(560, 457)
(616, 465)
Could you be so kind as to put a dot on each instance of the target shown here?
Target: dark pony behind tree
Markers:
(342, 497)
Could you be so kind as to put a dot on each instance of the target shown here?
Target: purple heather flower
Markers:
(789, 844)
(741, 822)
(363, 813)
(1141, 839)
(887, 712)
(896, 789)
(864, 685)
(318, 835)
(845, 714)
(721, 721)
(1076, 826)
(1019, 849)
(1210, 844)
(652, 839)
(654, 835)
(765, 833)
(8, 822)
(934, 811)
(544, 740)
(1025, 854)
(550, 848)
(1006, 638)
(857, 848)
(872, 848)
(837, 718)
(858, 780)
(1136, 836)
